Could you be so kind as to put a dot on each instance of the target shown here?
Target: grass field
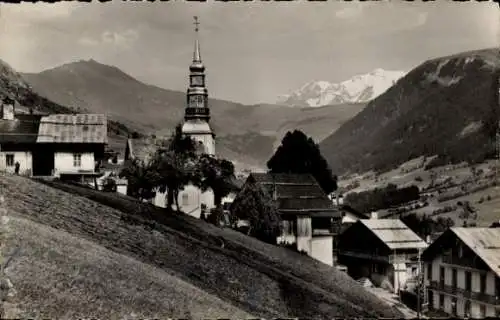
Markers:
(412, 173)
(128, 259)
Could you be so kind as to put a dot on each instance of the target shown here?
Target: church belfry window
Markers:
(197, 80)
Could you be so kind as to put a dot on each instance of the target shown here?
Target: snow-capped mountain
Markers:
(360, 88)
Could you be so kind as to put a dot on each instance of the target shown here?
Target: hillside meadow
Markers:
(84, 253)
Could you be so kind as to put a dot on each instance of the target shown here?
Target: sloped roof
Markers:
(23, 129)
(73, 128)
(394, 233)
(485, 242)
(296, 193)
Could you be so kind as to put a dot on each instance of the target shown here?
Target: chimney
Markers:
(7, 109)
(374, 215)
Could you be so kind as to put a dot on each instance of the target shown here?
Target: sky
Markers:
(254, 51)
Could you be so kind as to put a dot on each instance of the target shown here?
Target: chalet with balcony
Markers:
(309, 220)
(462, 273)
(60, 145)
(385, 251)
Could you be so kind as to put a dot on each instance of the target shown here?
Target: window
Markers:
(196, 80)
(468, 281)
(454, 306)
(482, 283)
(185, 199)
(454, 278)
(77, 160)
(9, 160)
(430, 299)
(497, 286)
(441, 301)
(429, 271)
(482, 311)
(467, 308)
(441, 276)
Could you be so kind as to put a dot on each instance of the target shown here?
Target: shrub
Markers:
(109, 185)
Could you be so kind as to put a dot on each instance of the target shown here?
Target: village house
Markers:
(56, 145)
(385, 251)
(462, 273)
(310, 222)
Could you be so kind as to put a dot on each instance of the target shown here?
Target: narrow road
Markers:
(391, 299)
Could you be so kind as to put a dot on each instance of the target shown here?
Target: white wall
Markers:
(207, 140)
(448, 274)
(349, 217)
(63, 162)
(25, 160)
(322, 249)
(400, 276)
(304, 234)
(195, 198)
(121, 188)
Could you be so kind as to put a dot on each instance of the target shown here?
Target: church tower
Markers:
(197, 112)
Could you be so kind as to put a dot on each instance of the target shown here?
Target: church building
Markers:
(196, 125)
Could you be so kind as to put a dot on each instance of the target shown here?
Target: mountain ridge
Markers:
(430, 111)
(358, 89)
(247, 134)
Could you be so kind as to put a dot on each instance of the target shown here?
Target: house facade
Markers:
(462, 273)
(385, 251)
(309, 221)
(58, 145)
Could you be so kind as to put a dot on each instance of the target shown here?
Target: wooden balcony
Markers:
(459, 292)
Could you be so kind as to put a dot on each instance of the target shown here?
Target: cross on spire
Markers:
(196, 23)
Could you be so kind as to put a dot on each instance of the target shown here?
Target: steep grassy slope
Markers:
(147, 253)
(13, 85)
(245, 133)
(445, 106)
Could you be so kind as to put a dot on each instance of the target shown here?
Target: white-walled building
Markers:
(383, 250)
(462, 273)
(310, 222)
(60, 145)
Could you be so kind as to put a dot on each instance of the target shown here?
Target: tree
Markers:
(300, 154)
(256, 206)
(175, 163)
(142, 178)
(425, 225)
(216, 174)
